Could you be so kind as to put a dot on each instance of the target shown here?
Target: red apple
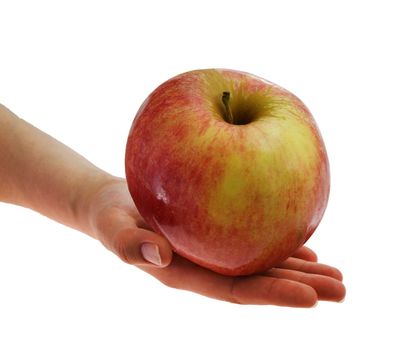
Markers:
(229, 167)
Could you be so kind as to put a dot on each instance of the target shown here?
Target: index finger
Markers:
(305, 253)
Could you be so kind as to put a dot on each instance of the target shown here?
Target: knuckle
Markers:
(233, 293)
(169, 281)
(120, 248)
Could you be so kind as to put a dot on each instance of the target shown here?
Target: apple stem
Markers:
(226, 96)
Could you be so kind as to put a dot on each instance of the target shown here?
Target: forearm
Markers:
(40, 173)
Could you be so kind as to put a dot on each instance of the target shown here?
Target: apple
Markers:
(229, 167)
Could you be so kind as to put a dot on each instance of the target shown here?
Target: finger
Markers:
(311, 267)
(258, 290)
(305, 253)
(327, 288)
(142, 247)
(261, 290)
(119, 231)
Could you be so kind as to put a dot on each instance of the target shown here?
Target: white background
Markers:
(79, 70)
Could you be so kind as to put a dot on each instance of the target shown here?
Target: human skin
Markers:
(40, 173)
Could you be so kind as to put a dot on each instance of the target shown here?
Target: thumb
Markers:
(142, 247)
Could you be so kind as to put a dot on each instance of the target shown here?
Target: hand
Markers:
(80, 195)
(299, 281)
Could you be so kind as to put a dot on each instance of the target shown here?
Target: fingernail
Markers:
(150, 252)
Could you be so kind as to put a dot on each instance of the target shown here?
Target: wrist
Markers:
(86, 197)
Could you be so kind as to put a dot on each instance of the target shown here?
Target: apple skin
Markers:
(236, 199)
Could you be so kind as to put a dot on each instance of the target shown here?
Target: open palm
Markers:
(299, 281)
